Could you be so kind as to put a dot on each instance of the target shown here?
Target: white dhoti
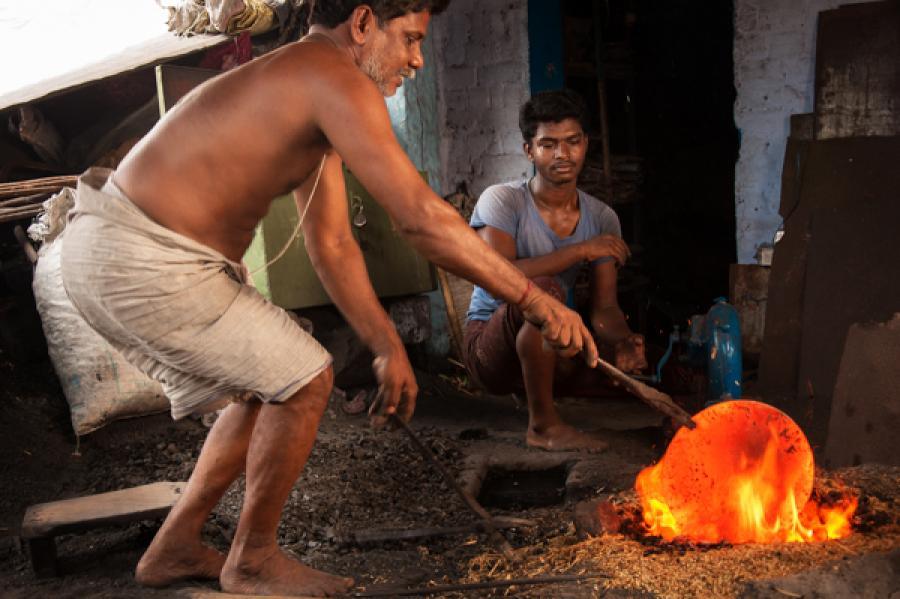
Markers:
(178, 310)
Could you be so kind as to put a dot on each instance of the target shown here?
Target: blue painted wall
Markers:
(414, 114)
(545, 49)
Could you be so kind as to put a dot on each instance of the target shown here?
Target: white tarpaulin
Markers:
(50, 45)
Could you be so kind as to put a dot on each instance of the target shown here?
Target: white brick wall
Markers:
(482, 62)
(482, 71)
(774, 66)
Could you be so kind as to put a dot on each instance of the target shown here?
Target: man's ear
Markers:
(526, 146)
(362, 21)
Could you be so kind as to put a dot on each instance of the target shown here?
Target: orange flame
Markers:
(745, 474)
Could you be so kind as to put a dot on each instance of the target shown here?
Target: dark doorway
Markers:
(663, 74)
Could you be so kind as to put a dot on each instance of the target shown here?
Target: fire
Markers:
(744, 475)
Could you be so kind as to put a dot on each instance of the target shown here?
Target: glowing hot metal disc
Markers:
(742, 475)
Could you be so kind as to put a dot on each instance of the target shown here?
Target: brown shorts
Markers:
(493, 363)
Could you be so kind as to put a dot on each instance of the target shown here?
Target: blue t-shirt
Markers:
(510, 208)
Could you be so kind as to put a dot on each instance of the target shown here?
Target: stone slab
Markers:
(865, 414)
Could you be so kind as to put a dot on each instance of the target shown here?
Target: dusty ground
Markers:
(361, 479)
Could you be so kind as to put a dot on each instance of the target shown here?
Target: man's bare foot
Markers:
(278, 574)
(165, 563)
(562, 437)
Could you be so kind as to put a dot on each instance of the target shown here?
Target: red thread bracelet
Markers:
(525, 293)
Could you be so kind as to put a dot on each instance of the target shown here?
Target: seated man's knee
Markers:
(528, 339)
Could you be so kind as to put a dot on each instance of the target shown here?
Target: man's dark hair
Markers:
(332, 13)
(551, 107)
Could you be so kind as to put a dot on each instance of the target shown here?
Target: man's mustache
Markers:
(408, 73)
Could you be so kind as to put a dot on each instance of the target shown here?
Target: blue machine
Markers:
(716, 337)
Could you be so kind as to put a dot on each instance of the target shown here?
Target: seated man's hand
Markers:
(562, 328)
(630, 354)
(606, 246)
(397, 387)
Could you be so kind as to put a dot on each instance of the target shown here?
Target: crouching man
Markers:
(549, 229)
(152, 254)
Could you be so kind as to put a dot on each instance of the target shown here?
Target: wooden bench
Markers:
(44, 521)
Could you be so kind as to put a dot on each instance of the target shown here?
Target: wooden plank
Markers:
(780, 359)
(83, 513)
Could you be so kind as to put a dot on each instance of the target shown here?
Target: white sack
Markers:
(100, 386)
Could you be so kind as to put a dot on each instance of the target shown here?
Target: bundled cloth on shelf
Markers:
(191, 17)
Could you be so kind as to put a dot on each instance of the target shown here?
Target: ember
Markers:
(745, 474)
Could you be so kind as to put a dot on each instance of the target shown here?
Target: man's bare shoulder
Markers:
(320, 68)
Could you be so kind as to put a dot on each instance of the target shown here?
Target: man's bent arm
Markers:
(547, 265)
(356, 122)
(339, 262)
(353, 116)
(607, 318)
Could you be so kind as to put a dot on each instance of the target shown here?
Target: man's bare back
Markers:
(209, 171)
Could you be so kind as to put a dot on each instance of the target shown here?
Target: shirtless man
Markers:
(152, 254)
(549, 228)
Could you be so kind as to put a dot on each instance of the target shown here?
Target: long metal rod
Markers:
(467, 498)
(656, 399)
(487, 584)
